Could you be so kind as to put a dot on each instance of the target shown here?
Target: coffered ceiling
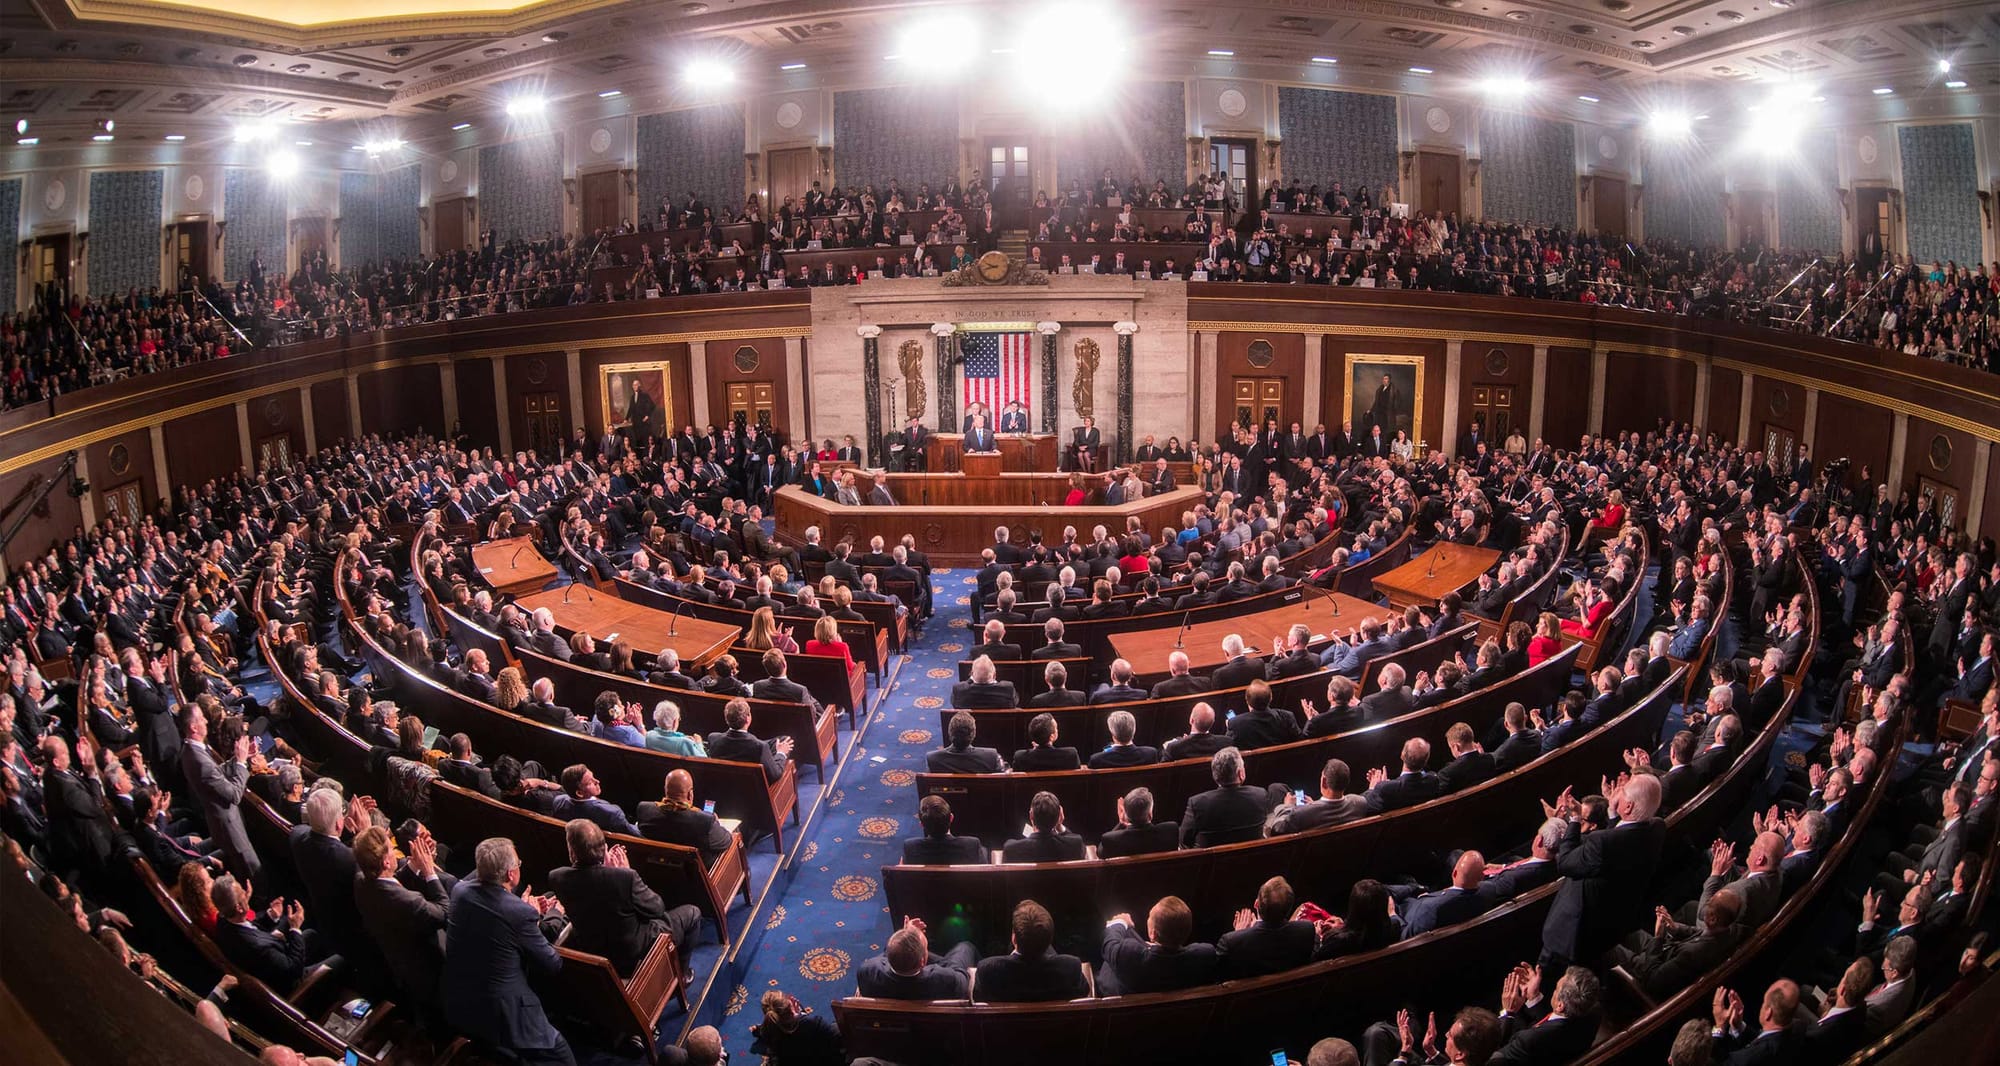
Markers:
(198, 67)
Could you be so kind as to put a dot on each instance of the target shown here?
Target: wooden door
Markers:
(1751, 207)
(308, 237)
(600, 201)
(791, 173)
(190, 253)
(48, 266)
(1493, 408)
(544, 421)
(127, 501)
(1437, 183)
(1944, 501)
(274, 453)
(449, 218)
(1872, 237)
(1009, 180)
(1236, 157)
(1607, 205)
(753, 401)
(1781, 446)
(1259, 400)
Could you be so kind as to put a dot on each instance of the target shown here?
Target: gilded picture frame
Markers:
(616, 383)
(1362, 393)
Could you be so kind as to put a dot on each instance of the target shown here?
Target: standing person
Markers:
(218, 786)
(493, 941)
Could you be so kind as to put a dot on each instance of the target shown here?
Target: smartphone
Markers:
(353, 1058)
(1278, 1058)
(359, 1008)
(708, 807)
(1298, 797)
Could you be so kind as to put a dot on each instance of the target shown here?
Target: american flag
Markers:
(997, 370)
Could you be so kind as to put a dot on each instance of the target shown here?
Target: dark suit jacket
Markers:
(1224, 815)
(277, 959)
(1060, 697)
(740, 746)
(1030, 760)
(1238, 672)
(1129, 755)
(943, 851)
(1013, 979)
(996, 652)
(611, 912)
(1265, 947)
(1603, 894)
(1184, 685)
(405, 926)
(1513, 881)
(1063, 650)
(784, 690)
(326, 870)
(1139, 840)
(493, 941)
(1404, 790)
(971, 760)
(1044, 847)
(935, 981)
(1519, 749)
(1262, 729)
(972, 694)
(1548, 1043)
(1466, 771)
(690, 826)
(1131, 964)
(1435, 910)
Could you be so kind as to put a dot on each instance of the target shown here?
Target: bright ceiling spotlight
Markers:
(1954, 84)
(527, 106)
(248, 132)
(20, 127)
(1944, 66)
(379, 147)
(283, 165)
(1066, 83)
(708, 73)
(938, 43)
(1669, 125)
(1506, 87)
(1772, 131)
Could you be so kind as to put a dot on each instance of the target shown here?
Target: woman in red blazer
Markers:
(1548, 639)
(826, 640)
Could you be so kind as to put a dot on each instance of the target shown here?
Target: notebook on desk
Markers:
(734, 825)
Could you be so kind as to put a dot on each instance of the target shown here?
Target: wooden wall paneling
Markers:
(1284, 360)
(1333, 380)
(1641, 389)
(1989, 517)
(538, 399)
(120, 460)
(478, 412)
(675, 355)
(403, 399)
(40, 530)
(279, 415)
(1776, 403)
(1858, 432)
(726, 367)
(1487, 364)
(1567, 415)
(1948, 464)
(203, 446)
(329, 400)
(1725, 402)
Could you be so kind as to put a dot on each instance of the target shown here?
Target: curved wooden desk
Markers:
(964, 510)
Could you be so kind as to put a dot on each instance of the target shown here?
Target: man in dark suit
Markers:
(1033, 972)
(543, 640)
(1137, 833)
(1334, 806)
(1164, 961)
(1553, 1031)
(1047, 840)
(738, 744)
(908, 970)
(1266, 939)
(1841, 1031)
(983, 691)
(1122, 752)
(959, 756)
(1392, 697)
(406, 925)
(1042, 752)
(1055, 647)
(1469, 764)
(1055, 678)
(676, 820)
(1605, 875)
(1457, 902)
(277, 956)
(1201, 741)
(612, 911)
(1231, 811)
(1179, 682)
(1776, 1039)
(1413, 786)
(1241, 668)
(494, 939)
(1120, 688)
(326, 870)
(1523, 744)
(1675, 955)
(1503, 883)
(938, 846)
(993, 643)
(775, 685)
(1293, 658)
(1262, 725)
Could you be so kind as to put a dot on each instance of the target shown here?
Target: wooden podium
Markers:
(1020, 453)
(980, 464)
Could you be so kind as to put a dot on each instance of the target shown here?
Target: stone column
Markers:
(1982, 465)
(698, 384)
(448, 392)
(1048, 330)
(87, 503)
(1538, 389)
(1454, 378)
(503, 407)
(1315, 377)
(1207, 367)
(795, 376)
(306, 419)
(945, 348)
(1600, 364)
(574, 357)
(354, 430)
(1701, 382)
(245, 452)
(1743, 413)
(1811, 430)
(1125, 331)
(871, 388)
(1899, 454)
(161, 478)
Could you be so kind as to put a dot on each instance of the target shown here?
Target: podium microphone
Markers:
(517, 555)
(1330, 597)
(1184, 627)
(674, 622)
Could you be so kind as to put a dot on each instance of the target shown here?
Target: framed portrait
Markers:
(636, 397)
(1385, 390)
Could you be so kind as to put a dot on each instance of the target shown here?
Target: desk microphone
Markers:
(674, 622)
(1432, 569)
(1184, 626)
(517, 555)
(1330, 597)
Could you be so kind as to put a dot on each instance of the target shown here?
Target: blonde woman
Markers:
(766, 634)
(510, 691)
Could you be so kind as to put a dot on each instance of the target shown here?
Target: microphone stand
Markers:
(1184, 628)
(674, 622)
(516, 557)
(1330, 597)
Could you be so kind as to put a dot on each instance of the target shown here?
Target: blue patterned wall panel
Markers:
(10, 239)
(1334, 136)
(698, 150)
(1941, 193)
(1143, 132)
(378, 216)
(1683, 196)
(254, 207)
(1528, 169)
(910, 134)
(520, 188)
(125, 231)
(1807, 196)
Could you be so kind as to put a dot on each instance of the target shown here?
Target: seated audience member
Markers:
(494, 939)
(788, 1034)
(1469, 763)
(1262, 725)
(908, 970)
(1163, 960)
(1413, 785)
(1044, 838)
(276, 951)
(675, 819)
(407, 925)
(1558, 1028)
(1120, 688)
(1033, 972)
(938, 846)
(1674, 955)
(612, 911)
(959, 756)
(1137, 833)
(1457, 902)
(1266, 938)
(1041, 752)
(983, 691)
(1334, 806)
(1201, 740)
(1055, 677)
(1178, 681)
(1232, 810)
(582, 799)
(1122, 752)
(1370, 923)
(1505, 881)
(738, 744)
(1523, 744)
(666, 733)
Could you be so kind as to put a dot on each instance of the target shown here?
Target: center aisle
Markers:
(832, 915)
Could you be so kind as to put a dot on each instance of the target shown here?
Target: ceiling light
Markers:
(1003, 51)
(891, 58)
(28, 141)
(303, 144)
(609, 93)
(524, 106)
(1669, 125)
(1325, 61)
(1944, 66)
(357, 147)
(177, 136)
(708, 72)
(1061, 83)
(107, 125)
(461, 126)
(20, 126)
(1588, 99)
(939, 43)
(379, 147)
(793, 66)
(1884, 90)
(1510, 87)
(1954, 84)
(1422, 70)
(282, 165)
(1223, 53)
(250, 131)
(103, 137)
